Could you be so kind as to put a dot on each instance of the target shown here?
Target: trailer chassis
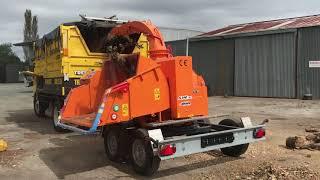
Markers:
(212, 137)
(147, 146)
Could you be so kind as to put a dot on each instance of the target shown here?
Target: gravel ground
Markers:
(37, 152)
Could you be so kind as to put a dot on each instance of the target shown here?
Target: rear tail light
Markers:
(259, 133)
(168, 150)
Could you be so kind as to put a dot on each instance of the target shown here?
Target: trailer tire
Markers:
(143, 160)
(54, 118)
(234, 151)
(112, 142)
(38, 106)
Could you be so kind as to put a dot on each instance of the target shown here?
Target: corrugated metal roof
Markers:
(290, 23)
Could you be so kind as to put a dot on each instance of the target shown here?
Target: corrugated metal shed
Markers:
(214, 60)
(265, 66)
(179, 47)
(308, 50)
(271, 58)
(290, 23)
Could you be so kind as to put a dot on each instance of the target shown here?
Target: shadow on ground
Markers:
(77, 154)
(28, 120)
(29, 91)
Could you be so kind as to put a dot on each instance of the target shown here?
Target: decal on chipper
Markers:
(185, 97)
(125, 110)
(156, 94)
(185, 103)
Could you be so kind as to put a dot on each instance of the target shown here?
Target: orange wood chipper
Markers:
(150, 106)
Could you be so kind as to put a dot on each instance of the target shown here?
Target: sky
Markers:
(202, 15)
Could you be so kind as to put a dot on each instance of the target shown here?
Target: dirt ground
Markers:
(37, 152)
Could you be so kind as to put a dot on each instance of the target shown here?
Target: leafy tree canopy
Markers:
(7, 56)
(30, 33)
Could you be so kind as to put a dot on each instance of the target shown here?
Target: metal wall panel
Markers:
(265, 66)
(214, 60)
(12, 73)
(179, 47)
(2, 73)
(308, 50)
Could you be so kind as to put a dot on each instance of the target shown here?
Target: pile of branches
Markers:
(310, 141)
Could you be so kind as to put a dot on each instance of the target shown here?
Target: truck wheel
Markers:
(112, 143)
(55, 114)
(234, 151)
(143, 160)
(38, 106)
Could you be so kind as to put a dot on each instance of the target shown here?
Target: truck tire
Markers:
(234, 151)
(112, 143)
(55, 114)
(38, 106)
(144, 162)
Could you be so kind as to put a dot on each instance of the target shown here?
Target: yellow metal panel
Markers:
(58, 81)
(70, 55)
(142, 46)
(77, 82)
(66, 56)
(48, 81)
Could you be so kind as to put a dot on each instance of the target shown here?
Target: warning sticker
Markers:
(156, 94)
(185, 103)
(185, 97)
(125, 110)
(314, 64)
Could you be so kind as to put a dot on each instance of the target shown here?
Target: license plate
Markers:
(216, 139)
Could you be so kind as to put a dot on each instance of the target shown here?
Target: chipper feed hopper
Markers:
(150, 106)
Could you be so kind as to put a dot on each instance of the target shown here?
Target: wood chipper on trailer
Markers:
(149, 105)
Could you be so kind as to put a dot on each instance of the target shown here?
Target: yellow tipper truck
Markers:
(63, 56)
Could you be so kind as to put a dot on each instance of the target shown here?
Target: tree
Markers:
(30, 33)
(7, 56)
(34, 28)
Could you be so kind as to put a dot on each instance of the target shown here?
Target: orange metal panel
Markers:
(119, 99)
(183, 87)
(162, 85)
(178, 71)
(148, 93)
(84, 120)
(77, 102)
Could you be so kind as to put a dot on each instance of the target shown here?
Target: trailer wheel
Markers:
(55, 114)
(38, 106)
(112, 143)
(234, 151)
(144, 162)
